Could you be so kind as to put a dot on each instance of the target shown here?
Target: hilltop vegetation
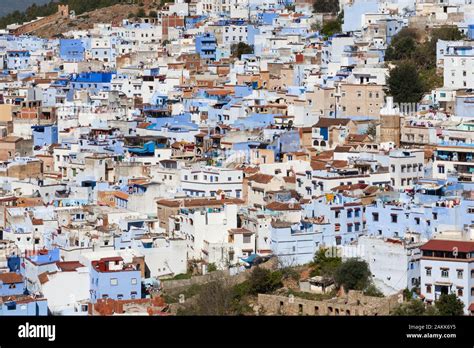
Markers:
(34, 11)
(9, 6)
(415, 60)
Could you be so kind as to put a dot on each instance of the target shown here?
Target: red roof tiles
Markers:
(11, 278)
(449, 245)
(261, 178)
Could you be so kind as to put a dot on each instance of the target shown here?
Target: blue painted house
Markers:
(24, 306)
(112, 278)
(45, 135)
(71, 50)
(354, 14)
(42, 261)
(206, 46)
(470, 31)
(11, 284)
(18, 60)
(93, 81)
(296, 244)
(345, 216)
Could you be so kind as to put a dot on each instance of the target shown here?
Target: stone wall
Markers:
(63, 12)
(181, 284)
(355, 303)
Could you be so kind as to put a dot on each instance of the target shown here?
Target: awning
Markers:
(250, 259)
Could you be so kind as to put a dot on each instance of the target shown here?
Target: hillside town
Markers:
(300, 157)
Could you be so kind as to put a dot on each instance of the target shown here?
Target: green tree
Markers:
(263, 281)
(407, 294)
(241, 48)
(411, 308)
(215, 298)
(407, 44)
(211, 267)
(446, 32)
(141, 13)
(353, 274)
(325, 263)
(430, 78)
(315, 26)
(331, 27)
(403, 45)
(425, 54)
(372, 130)
(326, 6)
(402, 48)
(404, 83)
(449, 305)
(372, 290)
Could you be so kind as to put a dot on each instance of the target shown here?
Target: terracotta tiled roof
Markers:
(325, 155)
(69, 266)
(218, 92)
(449, 245)
(343, 148)
(279, 206)
(261, 178)
(240, 231)
(317, 165)
(10, 139)
(143, 124)
(250, 170)
(289, 179)
(43, 277)
(178, 144)
(371, 189)
(37, 222)
(121, 195)
(11, 278)
(339, 164)
(326, 122)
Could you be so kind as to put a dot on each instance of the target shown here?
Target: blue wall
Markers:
(45, 135)
(12, 289)
(206, 45)
(71, 50)
(353, 14)
(101, 284)
(33, 308)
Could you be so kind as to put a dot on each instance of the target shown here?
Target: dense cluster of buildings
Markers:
(143, 150)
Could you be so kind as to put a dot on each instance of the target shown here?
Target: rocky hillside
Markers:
(86, 20)
(80, 7)
(110, 14)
